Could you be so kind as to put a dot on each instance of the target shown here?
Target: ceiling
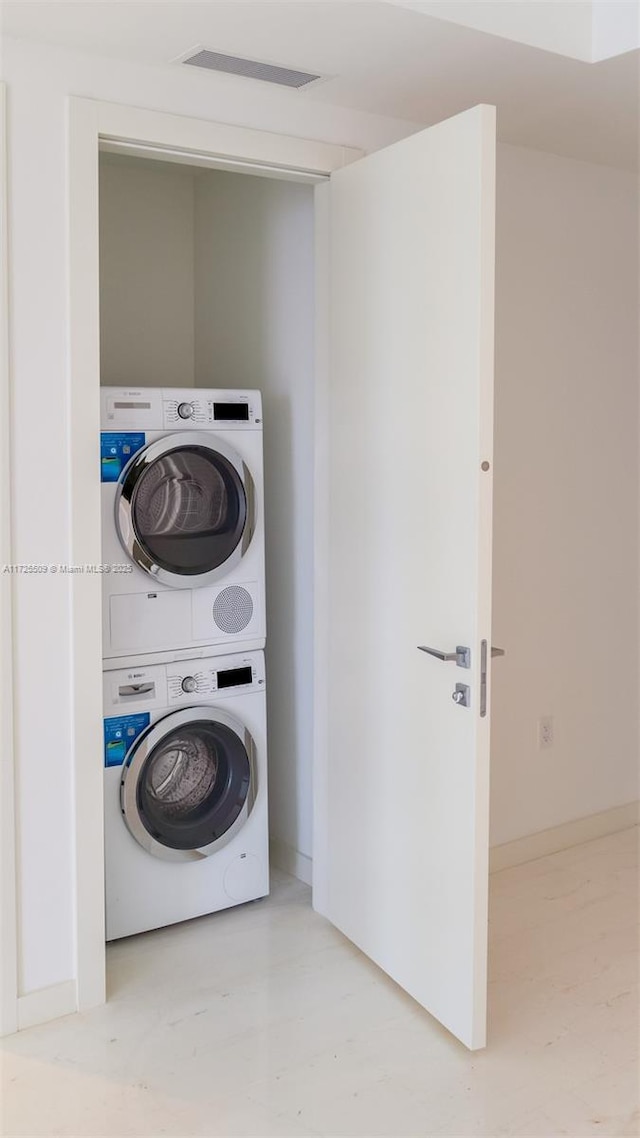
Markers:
(379, 57)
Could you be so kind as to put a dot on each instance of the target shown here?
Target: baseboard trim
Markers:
(563, 837)
(47, 1003)
(504, 856)
(290, 860)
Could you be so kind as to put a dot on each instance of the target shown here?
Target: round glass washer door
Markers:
(185, 509)
(189, 783)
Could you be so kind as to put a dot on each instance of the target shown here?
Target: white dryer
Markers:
(182, 520)
(185, 789)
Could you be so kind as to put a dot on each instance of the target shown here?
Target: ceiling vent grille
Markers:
(250, 68)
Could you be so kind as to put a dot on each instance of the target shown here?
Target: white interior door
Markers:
(401, 795)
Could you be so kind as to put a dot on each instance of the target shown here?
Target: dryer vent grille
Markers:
(250, 68)
(232, 609)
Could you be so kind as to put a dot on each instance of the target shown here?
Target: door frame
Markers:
(8, 854)
(153, 134)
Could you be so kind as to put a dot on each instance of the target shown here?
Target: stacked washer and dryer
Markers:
(185, 761)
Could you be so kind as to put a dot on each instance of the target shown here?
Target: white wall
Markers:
(255, 328)
(566, 491)
(39, 79)
(146, 273)
(616, 28)
(585, 31)
(564, 28)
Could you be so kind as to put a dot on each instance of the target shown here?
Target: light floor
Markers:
(264, 1021)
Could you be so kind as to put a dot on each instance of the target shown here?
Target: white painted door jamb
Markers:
(8, 866)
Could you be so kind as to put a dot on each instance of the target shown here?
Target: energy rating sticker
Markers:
(116, 448)
(119, 733)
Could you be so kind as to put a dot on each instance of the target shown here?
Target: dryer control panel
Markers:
(226, 409)
(180, 408)
(182, 683)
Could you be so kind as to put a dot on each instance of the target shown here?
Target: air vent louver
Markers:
(250, 69)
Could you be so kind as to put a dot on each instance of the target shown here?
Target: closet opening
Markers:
(207, 282)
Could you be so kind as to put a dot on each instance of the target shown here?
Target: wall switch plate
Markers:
(545, 732)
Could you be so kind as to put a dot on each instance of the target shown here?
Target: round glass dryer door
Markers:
(185, 509)
(189, 783)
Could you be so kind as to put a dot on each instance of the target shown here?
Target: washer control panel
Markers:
(182, 682)
(193, 680)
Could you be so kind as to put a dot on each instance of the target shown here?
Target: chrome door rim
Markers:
(134, 765)
(125, 527)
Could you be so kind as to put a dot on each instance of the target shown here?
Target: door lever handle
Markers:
(461, 656)
(497, 651)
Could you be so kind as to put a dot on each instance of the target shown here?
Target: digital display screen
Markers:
(233, 677)
(132, 406)
(239, 412)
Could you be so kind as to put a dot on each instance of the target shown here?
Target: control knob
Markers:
(185, 410)
(189, 684)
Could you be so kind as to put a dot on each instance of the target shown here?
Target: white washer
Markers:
(185, 781)
(182, 520)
